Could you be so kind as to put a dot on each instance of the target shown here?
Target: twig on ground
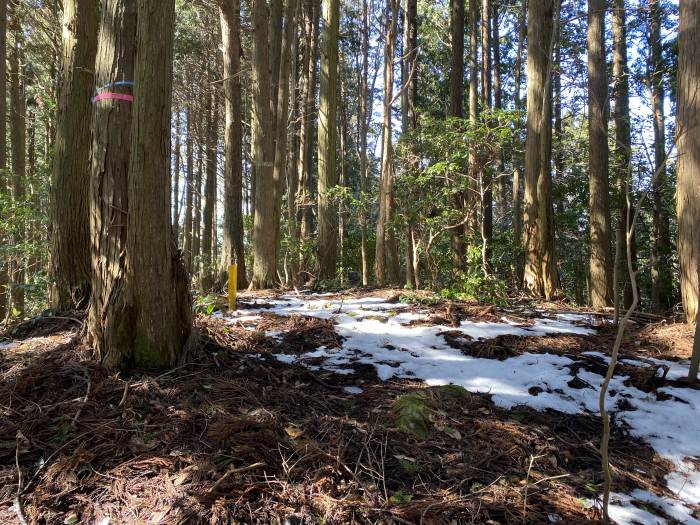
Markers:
(18, 506)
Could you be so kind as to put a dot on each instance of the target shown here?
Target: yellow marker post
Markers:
(232, 285)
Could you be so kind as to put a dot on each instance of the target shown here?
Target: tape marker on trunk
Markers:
(113, 96)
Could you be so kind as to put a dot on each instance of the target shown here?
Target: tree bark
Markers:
(485, 174)
(601, 263)
(109, 181)
(623, 141)
(688, 144)
(233, 234)
(156, 287)
(18, 133)
(455, 109)
(70, 181)
(500, 182)
(209, 226)
(518, 160)
(4, 186)
(282, 114)
(409, 100)
(363, 127)
(661, 284)
(540, 272)
(176, 176)
(474, 74)
(189, 192)
(264, 261)
(327, 139)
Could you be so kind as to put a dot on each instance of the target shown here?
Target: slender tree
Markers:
(327, 139)
(661, 287)
(623, 141)
(455, 109)
(264, 261)
(233, 248)
(189, 191)
(70, 224)
(4, 263)
(688, 144)
(386, 260)
(601, 263)
(209, 226)
(18, 134)
(363, 129)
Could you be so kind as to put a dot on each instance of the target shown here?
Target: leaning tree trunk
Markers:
(264, 262)
(327, 138)
(70, 181)
(688, 143)
(540, 272)
(601, 263)
(233, 248)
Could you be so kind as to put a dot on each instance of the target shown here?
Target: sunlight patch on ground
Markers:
(378, 333)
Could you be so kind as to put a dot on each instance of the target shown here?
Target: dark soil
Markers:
(238, 437)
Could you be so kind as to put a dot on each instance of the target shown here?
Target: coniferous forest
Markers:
(349, 261)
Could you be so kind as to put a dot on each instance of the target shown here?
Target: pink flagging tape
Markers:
(113, 96)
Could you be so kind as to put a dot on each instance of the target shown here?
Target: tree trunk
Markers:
(601, 263)
(264, 261)
(197, 205)
(209, 228)
(156, 287)
(18, 132)
(386, 263)
(623, 141)
(518, 160)
(109, 182)
(280, 167)
(327, 138)
(70, 181)
(4, 263)
(688, 143)
(540, 272)
(409, 100)
(233, 234)
(306, 142)
(176, 176)
(189, 193)
(474, 72)
(363, 125)
(500, 182)
(661, 285)
(455, 109)
(486, 179)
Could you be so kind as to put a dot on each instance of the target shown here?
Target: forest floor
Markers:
(353, 408)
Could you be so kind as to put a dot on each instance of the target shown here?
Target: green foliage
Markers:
(400, 497)
(474, 285)
(208, 304)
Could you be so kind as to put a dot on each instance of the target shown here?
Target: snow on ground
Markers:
(379, 334)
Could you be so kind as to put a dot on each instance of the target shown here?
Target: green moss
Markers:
(413, 414)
